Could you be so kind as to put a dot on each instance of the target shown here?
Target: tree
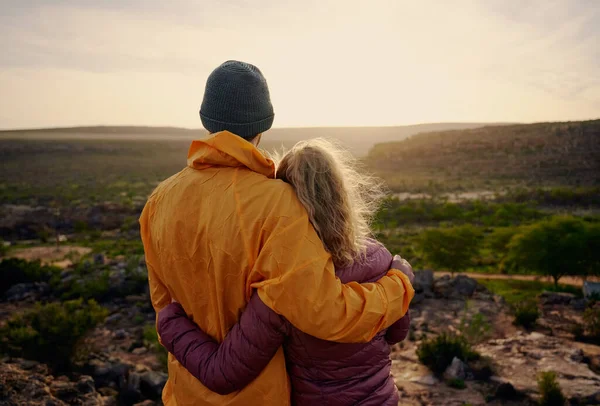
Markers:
(554, 247)
(592, 258)
(498, 242)
(450, 248)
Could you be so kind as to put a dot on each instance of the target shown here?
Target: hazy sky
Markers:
(328, 62)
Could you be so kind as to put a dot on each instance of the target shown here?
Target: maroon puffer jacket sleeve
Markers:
(230, 366)
(398, 331)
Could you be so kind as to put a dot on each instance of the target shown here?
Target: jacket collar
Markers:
(227, 149)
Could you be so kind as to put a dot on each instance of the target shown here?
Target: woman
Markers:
(340, 202)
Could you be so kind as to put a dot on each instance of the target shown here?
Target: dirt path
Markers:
(566, 280)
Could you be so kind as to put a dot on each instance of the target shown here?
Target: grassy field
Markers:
(515, 291)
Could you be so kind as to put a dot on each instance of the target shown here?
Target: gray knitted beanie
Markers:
(237, 99)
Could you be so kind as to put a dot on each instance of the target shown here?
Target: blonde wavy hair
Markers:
(340, 197)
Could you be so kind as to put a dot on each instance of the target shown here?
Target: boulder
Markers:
(107, 373)
(443, 287)
(130, 393)
(423, 281)
(139, 351)
(505, 391)
(120, 334)
(99, 259)
(27, 291)
(86, 384)
(457, 288)
(480, 369)
(456, 370)
(114, 318)
(35, 386)
(427, 380)
(28, 364)
(65, 391)
(418, 298)
(577, 355)
(464, 285)
(591, 289)
(579, 304)
(152, 384)
(556, 298)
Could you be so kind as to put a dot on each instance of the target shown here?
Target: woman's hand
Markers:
(403, 266)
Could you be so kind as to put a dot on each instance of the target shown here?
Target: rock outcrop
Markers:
(24, 382)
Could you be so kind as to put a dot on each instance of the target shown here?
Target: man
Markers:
(223, 227)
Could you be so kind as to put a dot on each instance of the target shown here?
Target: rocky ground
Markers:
(517, 355)
(121, 366)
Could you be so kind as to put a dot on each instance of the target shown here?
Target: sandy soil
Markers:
(62, 256)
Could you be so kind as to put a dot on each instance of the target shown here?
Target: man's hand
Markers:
(403, 266)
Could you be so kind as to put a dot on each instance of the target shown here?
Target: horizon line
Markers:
(107, 126)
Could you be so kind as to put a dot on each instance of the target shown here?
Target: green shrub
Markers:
(457, 383)
(15, 270)
(437, 353)
(49, 333)
(550, 392)
(526, 314)
(474, 329)
(89, 281)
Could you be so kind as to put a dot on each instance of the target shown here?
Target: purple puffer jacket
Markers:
(321, 372)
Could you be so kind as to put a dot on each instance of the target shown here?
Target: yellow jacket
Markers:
(222, 227)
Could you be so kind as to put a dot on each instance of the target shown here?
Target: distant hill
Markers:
(566, 153)
(358, 139)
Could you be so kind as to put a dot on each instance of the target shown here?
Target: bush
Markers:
(49, 333)
(526, 314)
(437, 354)
(457, 383)
(450, 248)
(474, 329)
(15, 270)
(551, 394)
(95, 286)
